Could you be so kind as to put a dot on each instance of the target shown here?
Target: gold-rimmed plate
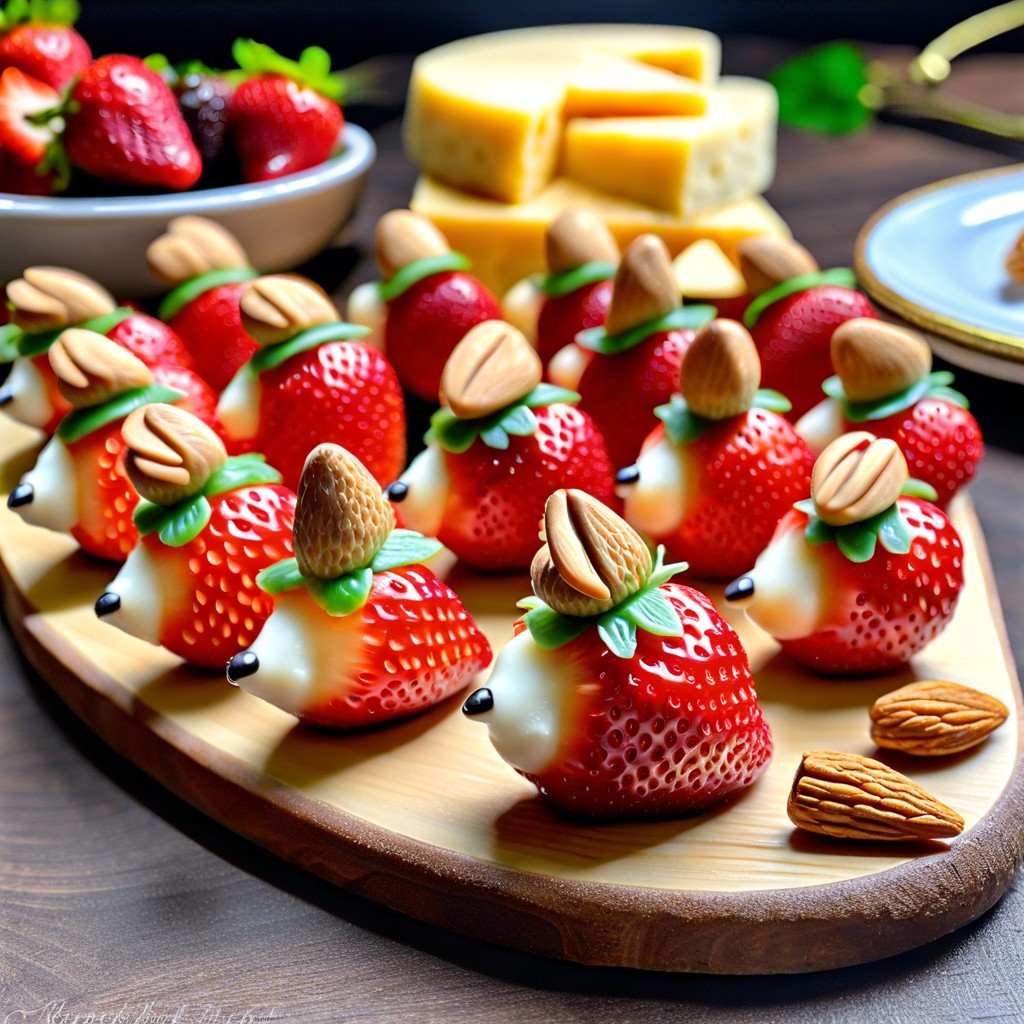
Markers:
(935, 258)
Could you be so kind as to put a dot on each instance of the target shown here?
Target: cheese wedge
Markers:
(487, 113)
(682, 165)
(506, 241)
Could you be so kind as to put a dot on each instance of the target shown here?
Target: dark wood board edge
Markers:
(774, 931)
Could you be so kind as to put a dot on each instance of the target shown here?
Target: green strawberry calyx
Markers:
(684, 426)
(844, 277)
(271, 356)
(183, 521)
(312, 69)
(38, 12)
(514, 420)
(932, 385)
(568, 281)
(347, 593)
(596, 339)
(188, 291)
(416, 271)
(15, 342)
(648, 609)
(859, 541)
(80, 423)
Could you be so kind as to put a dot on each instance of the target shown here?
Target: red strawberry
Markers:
(39, 40)
(24, 134)
(284, 118)
(481, 485)
(189, 585)
(310, 385)
(562, 317)
(859, 580)
(358, 636)
(24, 179)
(713, 481)
(124, 126)
(200, 399)
(657, 713)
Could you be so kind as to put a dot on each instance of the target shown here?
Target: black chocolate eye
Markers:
(6, 395)
(396, 491)
(740, 589)
(21, 495)
(628, 475)
(107, 604)
(478, 702)
(244, 663)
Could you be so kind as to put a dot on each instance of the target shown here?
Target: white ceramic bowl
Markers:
(281, 223)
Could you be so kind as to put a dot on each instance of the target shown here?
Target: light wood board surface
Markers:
(425, 817)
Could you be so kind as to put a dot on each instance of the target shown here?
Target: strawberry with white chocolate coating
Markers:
(311, 381)
(621, 695)
(500, 445)
(207, 269)
(858, 578)
(79, 483)
(425, 304)
(638, 350)
(714, 479)
(360, 634)
(884, 383)
(208, 524)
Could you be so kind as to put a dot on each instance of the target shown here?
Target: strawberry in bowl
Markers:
(860, 577)
(40, 40)
(208, 524)
(361, 632)
(621, 695)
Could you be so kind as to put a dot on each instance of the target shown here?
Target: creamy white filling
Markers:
(821, 425)
(54, 481)
(656, 504)
(366, 308)
(533, 697)
(520, 306)
(140, 586)
(428, 482)
(788, 598)
(30, 403)
(239, 406)
(567, 366)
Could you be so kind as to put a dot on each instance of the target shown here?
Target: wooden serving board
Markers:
(426, 819)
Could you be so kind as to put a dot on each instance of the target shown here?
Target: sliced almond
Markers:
(645, 286)
(932, 717)
(852, 797)
(341, 517)
(577, 236)
(48, 298)
(192, 246)
(403, 237)
(593, 559)
(277, 307)
(874, 359)
(721, 371)
(91, 369)
(768, 260)
(493, 366)
(171, 453)
(856, 477)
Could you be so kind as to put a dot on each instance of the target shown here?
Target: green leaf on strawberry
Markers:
(10, 335)
(80, 422)
(404, 547)
(683, 425)
(515, 420)
(36, 344)
(178, 298)
(271, 356)
(412, 273)
(842, 276)
(312, 69)
(858, 541)
(344, 594)
(933, 385)
(596, 339)
(568, 281)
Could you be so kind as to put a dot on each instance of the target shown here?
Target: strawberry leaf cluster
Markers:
(414, 272)
(81, 422)
(683, 425)
(271, 356)
(15, 342)
(933, 385)
(858, 541)
(597, 339)
(844, 277)
(568, 281)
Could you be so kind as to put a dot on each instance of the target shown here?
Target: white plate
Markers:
(935, 258)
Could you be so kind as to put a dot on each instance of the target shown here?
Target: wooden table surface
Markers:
(120, 901)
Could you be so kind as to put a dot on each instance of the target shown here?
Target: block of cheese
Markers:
(682, 165)
(505, 241)
(487, 113)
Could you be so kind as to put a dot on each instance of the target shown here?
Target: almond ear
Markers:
(91, 369)
(645, 286)
(48, 298)
(857, 476)
(277, 307)
(721, 371)
(768, 260)
(192, 246)
(403, 237)
(577, 236)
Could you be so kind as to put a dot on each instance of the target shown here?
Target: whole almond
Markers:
(645, 285)
(847, 796)
(768, 260)
(341, 516)
(278, 306)
(593, 559)
(875, 360)
(577, 236)
(171, 453)
(48, 298)
(721, 371)
(933, 717)
(493, 366)
(192, 246)
(91, 368)
(856, 477)
(403, 237)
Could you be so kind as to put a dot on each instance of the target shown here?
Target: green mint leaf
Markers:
(495, 437)
(404, 547)
(185, 521)
(178, 298)
(280, 576)
(681, 318)
(817, 531)
(915, 488)
(80, 422)
(148, 516)
(857, 541)
(682, 425)
(413, 273)
(37, 344)
(880, 408)
(842, 276)
(241, 471)
(10, 335)
(451, 433)
(551, 629)
(773, 401)
(519, 421)
(892, 530)
(651, 610)
(548, 394)
(568, 281)
(618, 634)
(272, 356)
(344, 594)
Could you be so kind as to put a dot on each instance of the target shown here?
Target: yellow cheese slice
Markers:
(681, 164)
(487, 113)
(506, 241)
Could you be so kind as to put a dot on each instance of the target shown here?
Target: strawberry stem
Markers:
(38, 12)
(312, 69)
